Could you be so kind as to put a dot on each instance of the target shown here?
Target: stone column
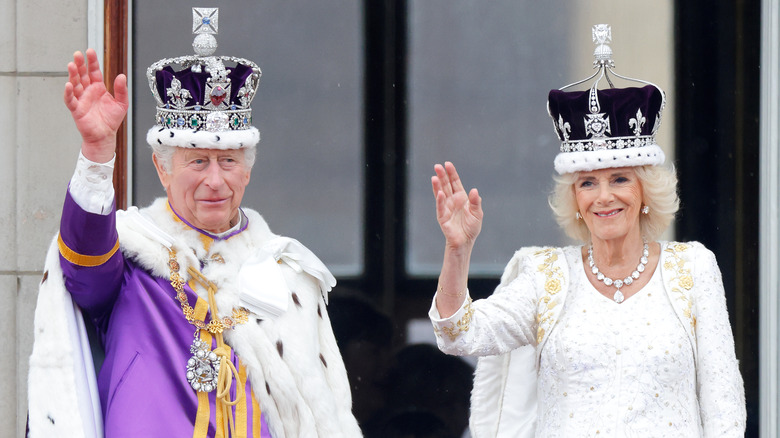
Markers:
(39, 149)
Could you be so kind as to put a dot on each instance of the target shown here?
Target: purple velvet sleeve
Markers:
(93, 288)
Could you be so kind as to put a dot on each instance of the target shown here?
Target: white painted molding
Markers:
(95, 27)
(769, 219)
(129, 120)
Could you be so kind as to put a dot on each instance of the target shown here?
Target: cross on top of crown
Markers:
(205, 20)
(602, 34)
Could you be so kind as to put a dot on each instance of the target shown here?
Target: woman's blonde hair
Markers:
(659, 188)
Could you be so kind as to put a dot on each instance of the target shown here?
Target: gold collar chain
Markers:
(216, 325)
(209, 370)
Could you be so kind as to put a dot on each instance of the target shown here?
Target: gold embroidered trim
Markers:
(462, 326)
(216, 325)
(682, 280)
(81, 259)
(202, 417)
(241, 408)
(256, 415)
(553, 284)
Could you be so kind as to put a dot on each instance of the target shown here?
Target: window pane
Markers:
(307, 181)
(478, 82)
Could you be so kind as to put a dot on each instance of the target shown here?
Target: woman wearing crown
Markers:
(622, 336)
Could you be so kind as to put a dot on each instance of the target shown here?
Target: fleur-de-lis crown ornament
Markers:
(203, 101)
(610, 127)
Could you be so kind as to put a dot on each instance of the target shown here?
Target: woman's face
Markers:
(609, 201)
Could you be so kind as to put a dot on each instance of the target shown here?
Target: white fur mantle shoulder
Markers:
(292, 359)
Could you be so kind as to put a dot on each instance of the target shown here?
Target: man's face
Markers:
(205, 186)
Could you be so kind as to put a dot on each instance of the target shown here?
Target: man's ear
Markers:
(248, 177)
(161, 173)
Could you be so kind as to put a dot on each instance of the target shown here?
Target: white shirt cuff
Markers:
(92, 185)
(437, 320)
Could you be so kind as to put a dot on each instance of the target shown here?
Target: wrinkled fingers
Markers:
(70, 100)
(444, 180)
(435, 185)
(453, 177)
(93, 67)
(83, 75)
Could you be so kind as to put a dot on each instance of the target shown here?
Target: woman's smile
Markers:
(609, 213)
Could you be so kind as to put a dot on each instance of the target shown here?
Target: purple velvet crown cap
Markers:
(619, 104)
(195, 84)
(617, 129)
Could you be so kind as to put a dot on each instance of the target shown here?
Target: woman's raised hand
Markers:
(459, 213)
(95, 111)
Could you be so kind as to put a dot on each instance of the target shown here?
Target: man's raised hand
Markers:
(95, 111)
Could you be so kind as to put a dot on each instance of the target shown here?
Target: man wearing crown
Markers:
(212, 325)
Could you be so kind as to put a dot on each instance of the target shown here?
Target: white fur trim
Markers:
(292, 361)
(585, 161)
(188, 138)
(62, 389)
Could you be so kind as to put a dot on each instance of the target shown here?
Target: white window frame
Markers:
(769, 223)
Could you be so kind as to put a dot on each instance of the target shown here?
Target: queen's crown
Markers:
(610, 127)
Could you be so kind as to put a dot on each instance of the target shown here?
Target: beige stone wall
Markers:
(642, 48)
(39, 150)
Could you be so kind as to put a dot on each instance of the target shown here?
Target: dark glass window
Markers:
(357, 102)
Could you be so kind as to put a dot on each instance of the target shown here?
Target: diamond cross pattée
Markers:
(205, 20)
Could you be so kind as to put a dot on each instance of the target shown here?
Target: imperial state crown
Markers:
(203, 101)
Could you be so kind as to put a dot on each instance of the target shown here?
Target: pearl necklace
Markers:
(618, 297)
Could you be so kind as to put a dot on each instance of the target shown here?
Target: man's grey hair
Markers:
(164, 154)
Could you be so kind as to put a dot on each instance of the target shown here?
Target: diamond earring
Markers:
(645, 209)
(578, 216)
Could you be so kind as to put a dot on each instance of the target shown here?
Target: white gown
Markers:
(631, 375)
(661, 364)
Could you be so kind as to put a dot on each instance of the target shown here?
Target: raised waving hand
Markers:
(459, 213)
(460, 218)
(95, 111)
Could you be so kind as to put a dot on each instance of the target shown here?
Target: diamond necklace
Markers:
(618, 297)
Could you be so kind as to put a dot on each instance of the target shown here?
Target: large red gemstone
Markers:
(217, 95)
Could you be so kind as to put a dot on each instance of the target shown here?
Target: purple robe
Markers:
(142, 384)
